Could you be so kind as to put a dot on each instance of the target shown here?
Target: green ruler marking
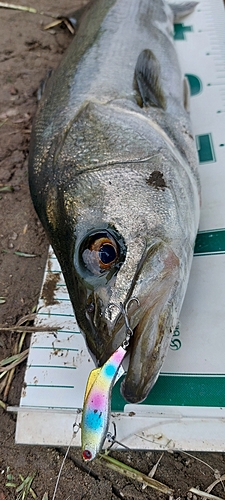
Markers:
(179, 31)
(195, 84)
(180, 390)
(205, 148)
(210, 242)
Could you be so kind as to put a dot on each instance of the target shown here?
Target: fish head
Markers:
(122, 237)
(144, 280)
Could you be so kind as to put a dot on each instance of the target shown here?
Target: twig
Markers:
(127, 471)
(29, 329)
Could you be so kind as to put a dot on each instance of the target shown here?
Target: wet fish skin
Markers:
(112, 153)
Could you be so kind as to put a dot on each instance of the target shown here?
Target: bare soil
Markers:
(26, 54)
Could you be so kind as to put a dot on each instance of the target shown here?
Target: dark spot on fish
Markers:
(156, 180)
(49, 288)
(95, 411)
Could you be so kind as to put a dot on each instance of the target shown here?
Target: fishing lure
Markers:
(97, 398)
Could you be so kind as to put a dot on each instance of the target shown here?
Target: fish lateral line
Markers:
(98, 166)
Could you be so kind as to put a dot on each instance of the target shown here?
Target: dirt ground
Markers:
(26, 53)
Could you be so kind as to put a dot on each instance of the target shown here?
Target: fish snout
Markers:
(153, 328)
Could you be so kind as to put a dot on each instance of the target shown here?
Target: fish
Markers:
(113, 175)
(97, 401)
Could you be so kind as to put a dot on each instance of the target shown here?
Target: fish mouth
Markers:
(148, 348)
(152, 323)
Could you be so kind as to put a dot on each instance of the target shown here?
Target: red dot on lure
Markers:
(87, 455)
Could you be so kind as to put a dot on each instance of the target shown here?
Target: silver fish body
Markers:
(113, 177)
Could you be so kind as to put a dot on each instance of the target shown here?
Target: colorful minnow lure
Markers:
(97, 398)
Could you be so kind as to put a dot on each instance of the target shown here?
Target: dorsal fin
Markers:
(91, 380)
(182, 9)
(147, 81)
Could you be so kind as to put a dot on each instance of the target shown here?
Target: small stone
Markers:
(13, 90)
(14, 236)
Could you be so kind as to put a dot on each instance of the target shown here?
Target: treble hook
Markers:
(111, 437)
(124, 312)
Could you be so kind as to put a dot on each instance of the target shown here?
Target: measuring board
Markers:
(186, 407)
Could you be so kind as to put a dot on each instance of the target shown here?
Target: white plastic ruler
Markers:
(186, 408)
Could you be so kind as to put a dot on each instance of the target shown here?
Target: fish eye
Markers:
(106, 250)
(100, 252)
(87, 455)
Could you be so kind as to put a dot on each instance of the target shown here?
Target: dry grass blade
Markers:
(24, 8)
(6, 189)
(29, 317)
(196, 458)
(131, 473)
(8, 365)
(153, 470)
(68, 25)
(18, 358)
(8, 374)
(53, 24)
(23, 254)
(18, 7)
(45, 497)
(4, 121)
(25, 487)
(3, 405)
(204, 494)
(26, 318)
(211, 486)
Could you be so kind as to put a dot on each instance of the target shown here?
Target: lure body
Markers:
(97, 400)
